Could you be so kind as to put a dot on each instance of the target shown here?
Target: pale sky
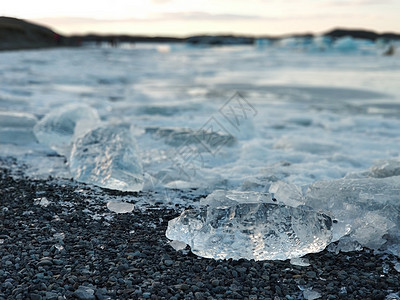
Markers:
(186, 17)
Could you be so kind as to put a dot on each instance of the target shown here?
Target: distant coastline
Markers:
(17, 34)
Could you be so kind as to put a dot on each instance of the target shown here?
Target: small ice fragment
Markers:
(302, 262)
(309, 294)
(392, 296)
(1, 241)
(59, 247)
(107, 157)
(345, 244)
(177, 245)
(58, 128)
(288, 194)
(343, 290)
(397, 267)
(249, 225)
(120, 207)
(42, 201)
(96, 217)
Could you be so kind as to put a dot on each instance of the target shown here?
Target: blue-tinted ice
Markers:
(17, 128)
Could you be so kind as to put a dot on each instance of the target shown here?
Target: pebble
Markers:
(84, 293)
(215, 282)
(35, 296)
(51, 296)
(168, 262)
(311, 274)
(199, 295)
(8, 285)
(370, 264)
(45, 262)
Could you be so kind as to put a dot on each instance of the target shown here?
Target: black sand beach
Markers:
(128, 256)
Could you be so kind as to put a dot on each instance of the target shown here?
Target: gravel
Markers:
(75, 248)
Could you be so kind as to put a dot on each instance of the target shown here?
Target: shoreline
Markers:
(61, 251)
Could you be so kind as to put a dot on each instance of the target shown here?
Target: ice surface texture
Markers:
(386, 168)
(107, 157)
(367, 209)
(59, 128)
(248, 225)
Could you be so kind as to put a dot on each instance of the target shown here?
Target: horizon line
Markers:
(39, 22)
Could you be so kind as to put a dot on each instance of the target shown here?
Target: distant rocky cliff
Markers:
(19, 34)
(362, 34)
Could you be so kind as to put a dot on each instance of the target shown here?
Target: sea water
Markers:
(277, 113)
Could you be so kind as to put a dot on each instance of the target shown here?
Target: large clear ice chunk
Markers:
(107, 157)
(59, 128)
(250, 225)
(367, 210)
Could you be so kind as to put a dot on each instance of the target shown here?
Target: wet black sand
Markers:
(128, 256)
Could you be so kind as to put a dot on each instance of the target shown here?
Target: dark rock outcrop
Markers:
(19, 34)
(362, 34)
(115, 39)
(219, 40)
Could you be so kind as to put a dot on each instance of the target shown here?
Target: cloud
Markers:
(199, 16)
(179, 16)
(204, 16)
